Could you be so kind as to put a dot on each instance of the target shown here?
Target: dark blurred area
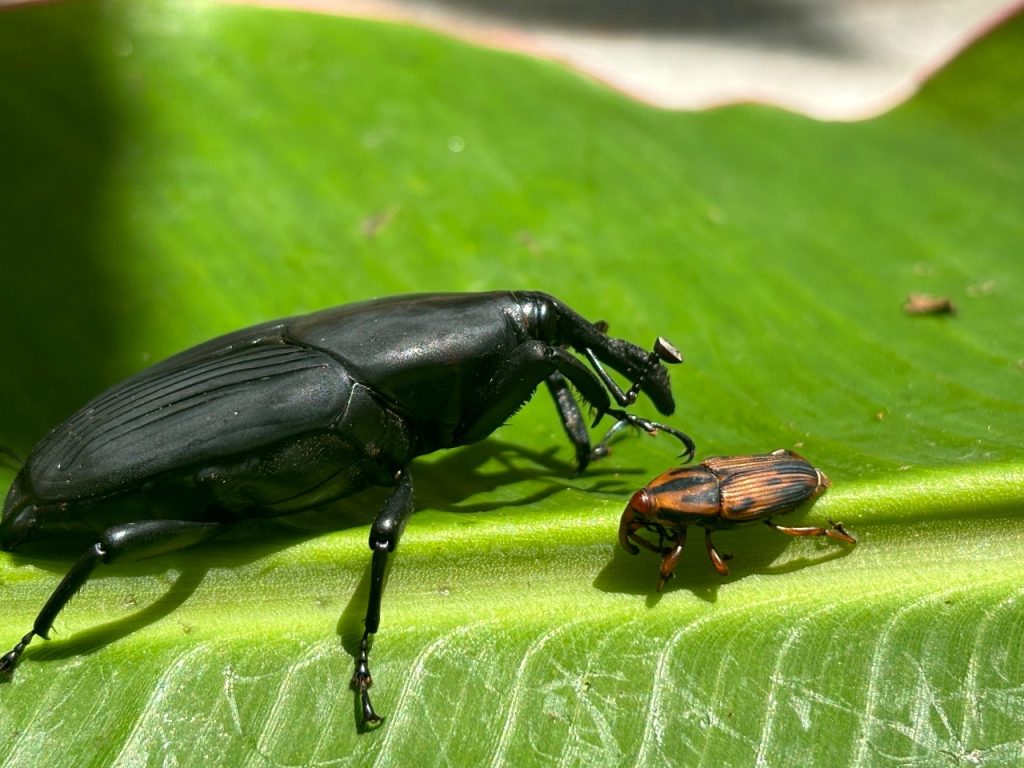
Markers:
(58, 138)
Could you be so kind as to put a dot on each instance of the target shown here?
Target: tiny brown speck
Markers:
(374, 223)
(923, 304)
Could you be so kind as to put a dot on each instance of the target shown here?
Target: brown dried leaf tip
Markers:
(923, 304)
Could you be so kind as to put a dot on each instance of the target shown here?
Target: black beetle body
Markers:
(290, 415)
(719, 493)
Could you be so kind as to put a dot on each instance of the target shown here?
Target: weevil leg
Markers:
(515, 380)
(131, 541)
(837, 531)
(576, 427)
(671, 558)
(636, 537)
(602, 448)
(384, 535)
(572, 421)
(651, 427)
(717, 558)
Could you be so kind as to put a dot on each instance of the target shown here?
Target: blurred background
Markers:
(833, 59)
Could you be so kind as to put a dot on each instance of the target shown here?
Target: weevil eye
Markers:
(641, 502)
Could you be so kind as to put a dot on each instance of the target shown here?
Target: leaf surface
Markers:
(174, 171)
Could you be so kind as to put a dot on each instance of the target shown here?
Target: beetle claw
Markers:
(651, 428)
(361, 682)
(370, 718)
(839, 532)
(7, 663)
(10, 659)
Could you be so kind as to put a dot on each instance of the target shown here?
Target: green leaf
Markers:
(173, 171)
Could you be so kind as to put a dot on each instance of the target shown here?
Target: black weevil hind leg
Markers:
(384, 535)
(131, 541)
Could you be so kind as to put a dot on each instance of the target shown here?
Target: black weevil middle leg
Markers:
(294, 414)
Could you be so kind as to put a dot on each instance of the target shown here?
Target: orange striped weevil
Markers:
(718, 494)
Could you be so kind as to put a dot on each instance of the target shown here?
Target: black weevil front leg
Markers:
(572, 421)
(131, 541)
(535, 361)
(576, 427)
(648, 426)
(384, 535)
(663, 352)
(515, 380)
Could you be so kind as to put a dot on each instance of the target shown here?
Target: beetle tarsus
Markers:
(670, 558)
(362, 680)
(717, 558)
(839, 532)
(651, 428)
(602, 449)
(10, 659)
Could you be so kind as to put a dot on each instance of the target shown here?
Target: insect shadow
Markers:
(444, 484)
(756, 551)
(235, 549)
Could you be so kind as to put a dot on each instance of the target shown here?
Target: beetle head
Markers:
(634, 517)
